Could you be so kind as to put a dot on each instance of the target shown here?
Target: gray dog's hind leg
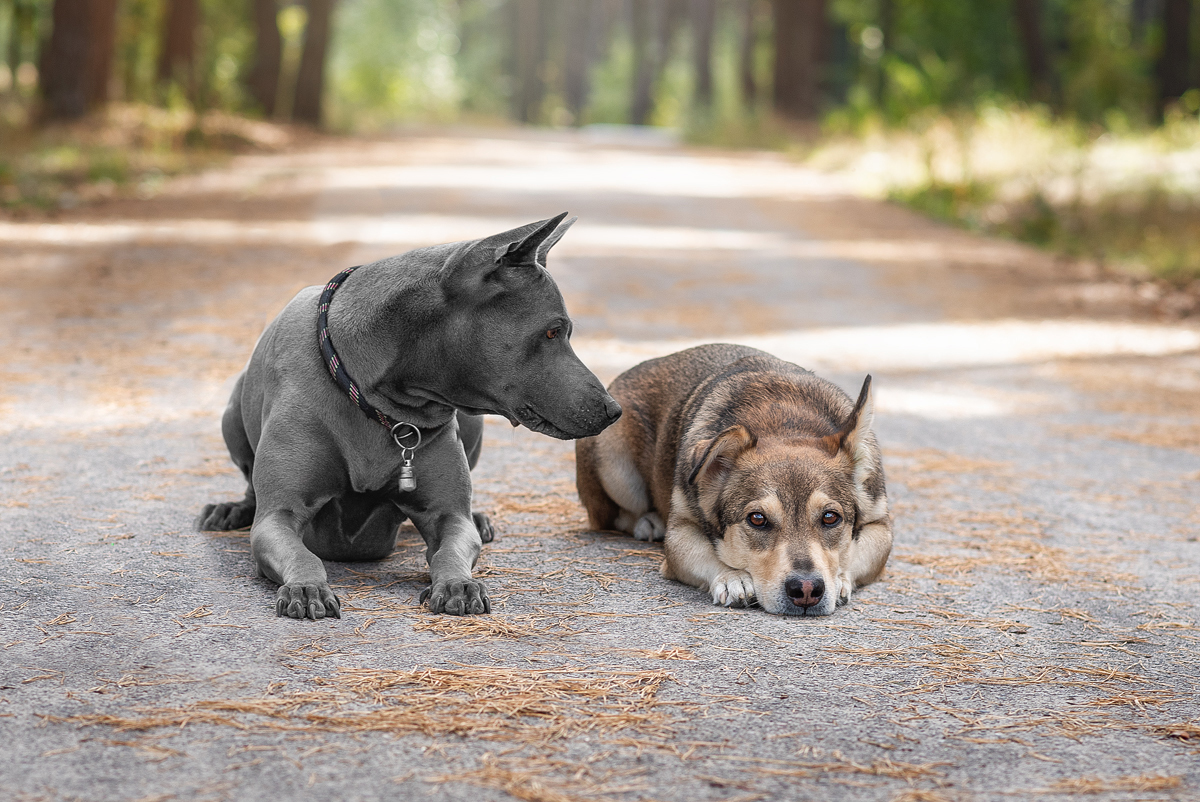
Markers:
(231, 515)
(470, 433)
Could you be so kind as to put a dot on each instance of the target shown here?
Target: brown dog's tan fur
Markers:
(720, 438)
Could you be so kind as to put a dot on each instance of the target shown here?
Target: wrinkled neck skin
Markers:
(382, 322)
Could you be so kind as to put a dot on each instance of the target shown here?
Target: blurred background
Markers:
(1071, 124)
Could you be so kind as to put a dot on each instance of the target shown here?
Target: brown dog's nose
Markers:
(805, 592)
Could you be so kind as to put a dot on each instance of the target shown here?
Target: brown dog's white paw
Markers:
(845, 589)
(733, 589)
(650, 527)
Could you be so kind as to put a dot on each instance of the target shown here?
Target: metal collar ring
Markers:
(401, 436)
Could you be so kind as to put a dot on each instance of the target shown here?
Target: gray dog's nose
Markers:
(612, 409)
(805, 592)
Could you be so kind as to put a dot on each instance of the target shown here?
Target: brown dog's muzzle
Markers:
(804, 591)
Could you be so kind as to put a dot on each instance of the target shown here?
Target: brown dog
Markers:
(769, 477)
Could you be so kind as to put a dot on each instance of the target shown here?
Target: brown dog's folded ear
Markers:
(714, 463)
(713, 460)
(526, 251)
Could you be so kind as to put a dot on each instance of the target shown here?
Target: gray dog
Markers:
(425, 342)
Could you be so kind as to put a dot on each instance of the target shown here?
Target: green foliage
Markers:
(611, 82)
(958, 203)
(1151, 232)
(138, 26)
(948, 54)
(395, 59)
(226, 50)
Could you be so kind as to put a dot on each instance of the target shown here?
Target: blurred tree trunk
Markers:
(102, 51)
(704, 17)
(76, 60)
(1141, 13)
(747, 79)
(177, 59)
(310, 79)
(529, 40)
(647, 24)
(800, 34)
(263, 81)
(1174, 76)
(1037, 61)
(586, 30)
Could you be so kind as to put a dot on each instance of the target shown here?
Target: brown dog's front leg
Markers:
(281, 556)
(452, 547)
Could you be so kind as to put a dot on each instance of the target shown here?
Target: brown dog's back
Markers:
(653, 396)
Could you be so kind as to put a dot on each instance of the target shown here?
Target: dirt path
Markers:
(1036, 634)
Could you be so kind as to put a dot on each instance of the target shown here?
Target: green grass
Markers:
(1150, 234)
(127, 149)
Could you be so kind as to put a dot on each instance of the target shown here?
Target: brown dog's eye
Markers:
(551, 334)
(757, 520)
(831, 518)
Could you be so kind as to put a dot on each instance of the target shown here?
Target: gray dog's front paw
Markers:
(487, 532)
(457, 598)
(307, 601)
(225, 517)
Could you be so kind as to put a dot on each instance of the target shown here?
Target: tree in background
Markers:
(748, 44)
(647, 21)
(310, 80)
(1174, 63)
(263, 78)
(177, 54)
(801, 29)
(77, 59)
(529, 50)
(1037, 60)
(587, 28)
(704, 18)
(697, 63)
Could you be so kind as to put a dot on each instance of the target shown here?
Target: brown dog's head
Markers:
(786, 509)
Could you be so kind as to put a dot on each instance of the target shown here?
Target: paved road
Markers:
(1035, 635)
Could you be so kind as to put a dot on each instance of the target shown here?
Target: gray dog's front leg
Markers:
(452, 547)
(281, 556)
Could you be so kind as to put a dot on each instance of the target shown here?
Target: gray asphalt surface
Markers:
(1035, 635)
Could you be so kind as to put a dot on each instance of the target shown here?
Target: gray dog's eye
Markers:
(831, 518)
(757, 520)
(551, 334)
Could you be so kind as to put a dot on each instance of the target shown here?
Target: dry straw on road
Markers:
(517, 705)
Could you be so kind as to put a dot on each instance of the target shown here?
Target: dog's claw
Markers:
(650, 527)
(845, 589)
(457, 598)
(733, 589)
(225, 517)
(487, 532)
(315, 601)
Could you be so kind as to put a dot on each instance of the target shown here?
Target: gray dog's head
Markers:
(507, 337)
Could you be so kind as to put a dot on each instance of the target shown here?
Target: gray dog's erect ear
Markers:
(544, 249)
(526, 250)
